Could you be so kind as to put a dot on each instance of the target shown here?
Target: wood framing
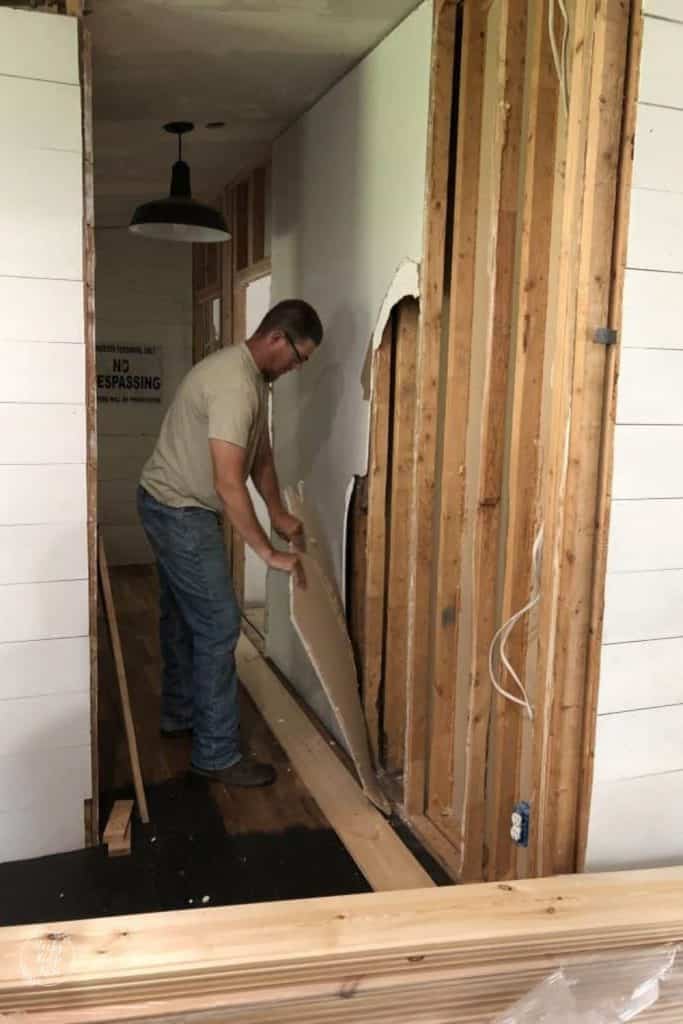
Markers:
(85, 46)
(457, 954)
(623, 205)
(428, 370)
(576, 429)
(505, 774)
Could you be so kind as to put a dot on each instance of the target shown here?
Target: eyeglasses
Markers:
(300, 359)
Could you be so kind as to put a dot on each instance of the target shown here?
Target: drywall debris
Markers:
(319, 621)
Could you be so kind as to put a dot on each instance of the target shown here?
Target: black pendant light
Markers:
(179, 218)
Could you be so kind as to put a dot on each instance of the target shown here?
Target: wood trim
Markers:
(376, 539)
(397, 515)
(428, 371)
(455, 953)
(85, 47)
(252, 273)
(578, 390)
(524, 479)
(386, 863)
(614, 320)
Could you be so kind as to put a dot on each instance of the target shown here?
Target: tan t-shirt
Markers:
(222, 397)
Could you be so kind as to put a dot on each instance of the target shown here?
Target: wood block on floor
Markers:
(117, 833)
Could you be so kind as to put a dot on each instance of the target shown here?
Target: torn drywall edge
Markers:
(348, 495)
(405, 282)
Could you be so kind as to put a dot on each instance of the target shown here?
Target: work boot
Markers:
(247, 772)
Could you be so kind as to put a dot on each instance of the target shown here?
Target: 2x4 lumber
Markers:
(376, 538)
(579, 390)
(450, 512)
(491, 435)
(385, 862)
(480, 941)
(85, 50)
(524, 479)
(117, 833)
(428, 371)
(398, 568)
(119, 662)
(623, 204)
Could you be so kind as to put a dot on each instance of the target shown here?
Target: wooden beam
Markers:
(576, 423)
(74, 8)
(386, 863)
(85, 48)
(428, 373)
(400, 496)
(376, 538)
(614, 320)
(456, 954)
(117, 833)
(117, 651)
(525, 466)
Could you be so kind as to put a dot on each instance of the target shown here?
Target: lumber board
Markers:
(385, 862)
(428, 370)
(119, 662)
(398, 554)
(376, 539)
(118, 821)
(604, 501)
(491, 429)
(507, 780)
(577, 447)
(450, 522)
(461, 951)
(85, 50)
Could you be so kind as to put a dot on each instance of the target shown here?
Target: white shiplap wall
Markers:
(44, 660)
(637, 811)
(144, 296)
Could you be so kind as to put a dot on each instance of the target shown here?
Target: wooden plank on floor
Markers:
(385, 862)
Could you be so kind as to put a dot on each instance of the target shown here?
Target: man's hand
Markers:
(289, 528)
(288, 563)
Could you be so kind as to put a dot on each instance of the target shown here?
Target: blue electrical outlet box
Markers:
(519, 823)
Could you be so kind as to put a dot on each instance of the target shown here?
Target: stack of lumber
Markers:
(454, 954)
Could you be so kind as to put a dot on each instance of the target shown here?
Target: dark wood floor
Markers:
(285, 805)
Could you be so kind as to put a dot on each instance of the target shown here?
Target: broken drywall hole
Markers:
(318, 619)
(405, 283)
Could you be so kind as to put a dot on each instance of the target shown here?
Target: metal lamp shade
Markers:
(178, 218)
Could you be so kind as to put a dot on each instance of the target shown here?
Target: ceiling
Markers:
(254, 64)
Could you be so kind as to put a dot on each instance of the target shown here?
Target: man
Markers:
(214, 435)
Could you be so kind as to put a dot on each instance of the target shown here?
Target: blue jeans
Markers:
(199, 626)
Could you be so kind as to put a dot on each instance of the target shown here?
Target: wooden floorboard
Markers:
(287, 804)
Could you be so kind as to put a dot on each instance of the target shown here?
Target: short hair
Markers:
(296, 317)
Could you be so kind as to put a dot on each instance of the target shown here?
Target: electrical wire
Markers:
(560, 52)
(503, 634)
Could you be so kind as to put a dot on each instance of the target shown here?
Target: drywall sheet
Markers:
(318, 619)
(348, 184)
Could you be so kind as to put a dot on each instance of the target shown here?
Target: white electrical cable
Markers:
(560, 53)
(505, 630)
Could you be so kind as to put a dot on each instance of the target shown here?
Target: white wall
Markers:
(144, 297)
(44, 657)
(637, 811)
(348, 185)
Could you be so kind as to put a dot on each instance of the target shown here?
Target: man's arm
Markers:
(229, 484)
(265, 478)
